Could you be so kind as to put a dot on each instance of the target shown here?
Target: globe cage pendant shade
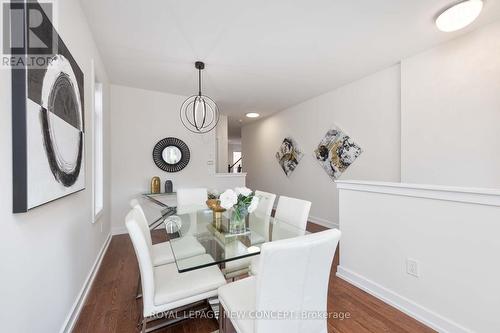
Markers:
(199, 113)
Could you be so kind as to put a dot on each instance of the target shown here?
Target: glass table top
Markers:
(157, 207)
(195, 226)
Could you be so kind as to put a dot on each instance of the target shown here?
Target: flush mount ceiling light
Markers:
(199, 113)
(252, 115)
(459, 15)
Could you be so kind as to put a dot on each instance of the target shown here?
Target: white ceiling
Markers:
(261, 55)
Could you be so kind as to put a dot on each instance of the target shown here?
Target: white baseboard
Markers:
(323, 222)
(412, 309)
(70, 321)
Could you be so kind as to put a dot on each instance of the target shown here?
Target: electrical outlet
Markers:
(412, 267)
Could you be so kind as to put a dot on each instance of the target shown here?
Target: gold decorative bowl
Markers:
(214, 204)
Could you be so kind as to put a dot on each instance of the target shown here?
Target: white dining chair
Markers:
(164, 289)
(293, 280)
(189, 202)
(259, 222)
(162, 252)
(293, 212)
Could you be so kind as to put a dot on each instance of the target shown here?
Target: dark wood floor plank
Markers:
(111, 305)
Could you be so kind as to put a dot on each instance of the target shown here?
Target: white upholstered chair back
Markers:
(266, 202)
(259, 219)
(133, 202)
(293, 211)
(143, 222)
(293, 276)
(191, 196)
(189, 201)
(143, 253)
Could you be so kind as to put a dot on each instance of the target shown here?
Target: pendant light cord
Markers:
(199, 82)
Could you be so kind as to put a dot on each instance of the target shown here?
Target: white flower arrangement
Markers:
(228, 199)
(242, 200)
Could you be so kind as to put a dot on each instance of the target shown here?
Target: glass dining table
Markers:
(198, 240)
(189, 227)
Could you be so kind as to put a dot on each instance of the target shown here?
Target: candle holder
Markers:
(217, 210)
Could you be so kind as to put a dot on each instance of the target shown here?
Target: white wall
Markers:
(221, 133)
(47, 253)
(451, 112)
(451, 232)
(368, 110)
(140, 119)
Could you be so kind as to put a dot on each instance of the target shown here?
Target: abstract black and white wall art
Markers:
(48, 125)
(336, 152)
(289, 155)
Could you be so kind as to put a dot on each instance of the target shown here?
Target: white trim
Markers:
(414, 310)
(97, 213)
(92, 101)
(481, 196)
(323, 222)
(72, 317)
(231, 175)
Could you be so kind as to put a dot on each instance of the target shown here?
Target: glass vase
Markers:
(237, 223)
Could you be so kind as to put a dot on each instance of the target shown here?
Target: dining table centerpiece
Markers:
(239, 202)
(213, 202)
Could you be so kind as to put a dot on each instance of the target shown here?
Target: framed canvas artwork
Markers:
(336, 152)
(47, 118)
(289, 155)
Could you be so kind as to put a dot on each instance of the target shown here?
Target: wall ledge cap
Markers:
(222, 175)
(483, 196)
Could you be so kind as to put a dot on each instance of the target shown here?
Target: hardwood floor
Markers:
(111, 305)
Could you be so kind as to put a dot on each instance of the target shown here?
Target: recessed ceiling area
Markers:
(262, 56)
(234, 125)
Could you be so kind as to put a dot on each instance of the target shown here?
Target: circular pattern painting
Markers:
(62, 121)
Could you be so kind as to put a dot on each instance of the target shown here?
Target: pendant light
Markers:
(199, 113)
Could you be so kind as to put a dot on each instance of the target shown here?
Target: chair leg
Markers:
(138, 292)
(221, 319)
(225, 324)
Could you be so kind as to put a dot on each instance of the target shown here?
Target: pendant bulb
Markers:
(195, 113)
